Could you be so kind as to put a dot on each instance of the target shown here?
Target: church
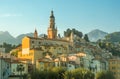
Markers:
(34, 48)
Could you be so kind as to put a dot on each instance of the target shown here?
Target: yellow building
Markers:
(114, 66)
(34, 48)
(44, 64)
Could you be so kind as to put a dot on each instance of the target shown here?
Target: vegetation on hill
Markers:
(105, 75)
(67, 33)
(8, 47)
(111, 43)
(111, 47)
(62, 73)
(86, 38)
(113, 37)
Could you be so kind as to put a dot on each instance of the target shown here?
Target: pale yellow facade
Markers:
(44, 64)
(114, 66)
(35, 48)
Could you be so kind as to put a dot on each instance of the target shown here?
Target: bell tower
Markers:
(35, 34)
(52, 30)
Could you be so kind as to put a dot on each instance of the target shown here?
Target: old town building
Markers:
(35, 48)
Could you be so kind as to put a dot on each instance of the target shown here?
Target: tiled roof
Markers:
(47, 39)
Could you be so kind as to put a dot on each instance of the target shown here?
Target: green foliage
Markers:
(14, 53)
(105, 75)
(79, 74)
(25, 76)
(55, 73)
(58, 69)
(8, 47)
(62, 73)
(113, 37)
(35, 74)
(111, 47)
(76, 32)
(47, 52)
(109, 43)
(86, 38)
(59, 72)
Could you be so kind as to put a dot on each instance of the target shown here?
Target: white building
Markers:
(86, 60)
(4, 68)
(16, 66)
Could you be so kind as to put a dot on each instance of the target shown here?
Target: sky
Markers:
(23, 16)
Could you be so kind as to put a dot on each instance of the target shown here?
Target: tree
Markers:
(20, 68)
(14, 53)
(111, 47)
(79, 74)
(67, 33)
(35, 74)
(60, 71)
(86, 38)
(59, 36)
(8, 47)
(105, 75)
(55, 73)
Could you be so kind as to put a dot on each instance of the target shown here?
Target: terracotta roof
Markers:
(45, 60)
(47, 39)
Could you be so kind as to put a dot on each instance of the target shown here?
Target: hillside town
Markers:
(52, 50)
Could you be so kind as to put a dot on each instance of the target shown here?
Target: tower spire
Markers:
(52, 20)
(52, 14)
(52, 31)
(35, 34)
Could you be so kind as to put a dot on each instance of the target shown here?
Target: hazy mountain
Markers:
(96, 34)
(113, 37)
(19, 37)
(6, 37)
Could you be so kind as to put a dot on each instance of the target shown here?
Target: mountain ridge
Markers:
(5, 36)
(96, 34)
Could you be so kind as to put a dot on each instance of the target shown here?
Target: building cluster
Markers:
(52, 51)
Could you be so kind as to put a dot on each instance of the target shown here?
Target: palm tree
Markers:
(20, 68)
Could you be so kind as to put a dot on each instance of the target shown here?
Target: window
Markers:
(39, 42)
(13, 70)
(30, 54)
(113, 68)
(114, 73)
(32, 41)
(33, 46)
(69, 65)
(113, 62)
